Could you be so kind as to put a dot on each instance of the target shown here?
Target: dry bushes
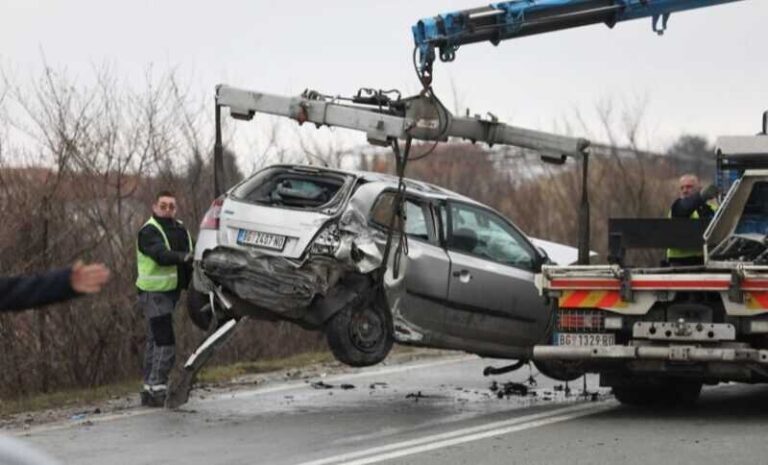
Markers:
(79, 166)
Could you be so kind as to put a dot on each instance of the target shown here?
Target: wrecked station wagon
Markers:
(306, 244)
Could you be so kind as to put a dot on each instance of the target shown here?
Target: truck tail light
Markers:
(581, 320)
(211, 218)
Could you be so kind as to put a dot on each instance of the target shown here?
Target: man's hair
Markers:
(690, 176)
(164, 194)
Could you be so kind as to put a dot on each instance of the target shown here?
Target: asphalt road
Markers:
(431, 412)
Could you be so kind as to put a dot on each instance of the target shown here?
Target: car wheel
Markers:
(561, 371)
(199, 309)
(360, 336)
(666, 394)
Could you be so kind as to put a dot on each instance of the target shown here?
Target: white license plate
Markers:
(585, 339)
(261, 239)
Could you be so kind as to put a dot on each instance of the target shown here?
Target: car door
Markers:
(426, 281)
(491, 291)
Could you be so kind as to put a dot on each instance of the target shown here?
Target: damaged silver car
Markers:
(307, 245)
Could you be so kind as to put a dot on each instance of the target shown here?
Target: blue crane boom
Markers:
(518, 18)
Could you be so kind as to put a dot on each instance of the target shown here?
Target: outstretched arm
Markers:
(22, 292)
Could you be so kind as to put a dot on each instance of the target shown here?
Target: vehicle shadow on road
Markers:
(725, 402)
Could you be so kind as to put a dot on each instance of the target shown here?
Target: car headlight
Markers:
(327, 240)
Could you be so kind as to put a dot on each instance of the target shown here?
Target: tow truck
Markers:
(387, 119)
(656, 334)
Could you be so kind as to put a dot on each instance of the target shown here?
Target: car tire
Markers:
(666, 394)
(360, 335)
(199, 309)
(558, 370)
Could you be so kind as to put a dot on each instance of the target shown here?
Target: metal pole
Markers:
(218, 157)
(584, 213)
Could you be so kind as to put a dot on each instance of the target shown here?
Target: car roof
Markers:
(424, 189)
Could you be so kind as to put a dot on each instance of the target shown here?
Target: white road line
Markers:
(475, 433)
(92, 420)
(89, 421)
(342, 377)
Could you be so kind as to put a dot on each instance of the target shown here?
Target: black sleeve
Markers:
(21, 292)
(151, 243)
(684, 208)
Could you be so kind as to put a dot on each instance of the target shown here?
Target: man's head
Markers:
(165, 205)
(689, 185)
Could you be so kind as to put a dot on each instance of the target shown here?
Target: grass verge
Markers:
(75, 398)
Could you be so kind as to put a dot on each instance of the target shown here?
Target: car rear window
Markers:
(295, 188)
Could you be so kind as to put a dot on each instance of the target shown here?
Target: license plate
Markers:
(585, 339)
(261, 239)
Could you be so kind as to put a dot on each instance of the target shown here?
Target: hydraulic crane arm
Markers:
(511, 19)
(386, 119)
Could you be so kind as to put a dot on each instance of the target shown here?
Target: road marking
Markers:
(464, 435)
(92, 420)
(343, 376)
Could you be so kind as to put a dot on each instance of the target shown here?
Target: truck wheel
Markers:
(667, 394)
(684, 394)
(199, 309)
(639, 396)
(360, 336)
(559, 370)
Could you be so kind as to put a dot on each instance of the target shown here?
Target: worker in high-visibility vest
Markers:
(693, 203)
(164, 258)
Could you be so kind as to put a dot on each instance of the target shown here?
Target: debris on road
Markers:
(324, 385)
(321, 385)
(510, 388)
(416, 396)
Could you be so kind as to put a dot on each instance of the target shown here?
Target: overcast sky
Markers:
(706, 75)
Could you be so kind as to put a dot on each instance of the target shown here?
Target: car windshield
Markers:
(293, 187)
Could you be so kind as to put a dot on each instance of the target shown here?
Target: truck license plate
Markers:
(585, 339)
(260, 239)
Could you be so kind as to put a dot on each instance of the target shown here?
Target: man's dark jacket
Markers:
(21, 292)
(684, 208)
(151, 244)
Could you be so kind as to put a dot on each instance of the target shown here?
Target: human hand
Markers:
(88, 279)
(710, 192)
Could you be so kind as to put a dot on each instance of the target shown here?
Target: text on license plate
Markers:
(261, 239)
(586, 339)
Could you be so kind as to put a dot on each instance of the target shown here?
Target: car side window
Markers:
(484, 234)
(416, 224)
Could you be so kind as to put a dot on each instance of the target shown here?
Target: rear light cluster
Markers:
(211, 218)
(327, 241)
(580, 320)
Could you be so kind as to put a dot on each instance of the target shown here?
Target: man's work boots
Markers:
(153, 396)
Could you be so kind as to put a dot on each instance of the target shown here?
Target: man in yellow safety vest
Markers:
(164, 258)
(691, 203)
